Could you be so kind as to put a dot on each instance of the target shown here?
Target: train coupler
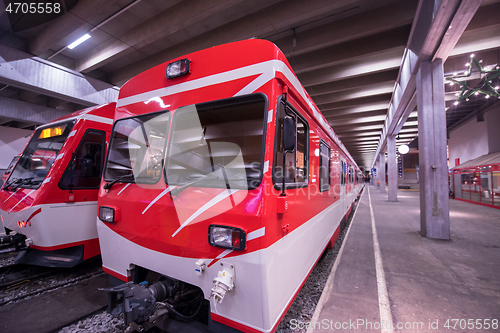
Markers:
(14, 241)
(135, 301)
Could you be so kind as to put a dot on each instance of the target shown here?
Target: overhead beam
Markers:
(383, 61)
(348, 129)
(61, 28)
(375, 89)
(358, 134)
(367, 23)
(352, 50)
(436, 30)
(358, 104)
(357, 120)
(381, 78)
(478, 40)
(334, 117)
(262, 23)
(177, 21)
(26, 112)
(41, 76)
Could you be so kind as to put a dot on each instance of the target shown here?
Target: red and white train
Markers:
(49, 201)
(193, 200)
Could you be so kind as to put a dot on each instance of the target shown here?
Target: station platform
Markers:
(394, 275)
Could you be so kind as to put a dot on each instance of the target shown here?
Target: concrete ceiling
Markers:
(346, 53)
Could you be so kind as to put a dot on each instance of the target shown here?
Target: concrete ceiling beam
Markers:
(64, 26)
(16, 110)
(273, 19)
(358, 128)
(348, 135)
(351, 50)
(478, 40)
(175, 24)
(357, 26)
(383, 61)
(384, 89)
(379, 78)
(359, 104)
(43, 77)
(357, 120)
(334, 118)
(360, 139)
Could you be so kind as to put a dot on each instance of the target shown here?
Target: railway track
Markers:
(44, 300)
(17, 275)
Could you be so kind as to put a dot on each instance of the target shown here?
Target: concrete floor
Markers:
(431, 285)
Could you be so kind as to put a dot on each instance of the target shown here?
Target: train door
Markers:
(343, 186)
(85, 168)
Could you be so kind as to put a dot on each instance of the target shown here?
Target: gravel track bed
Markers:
(36, 287)
(7, 260)
(302, 309)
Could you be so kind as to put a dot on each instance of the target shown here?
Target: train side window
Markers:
(85, 168)
(342, 175)
(324, 166)
(296, 162)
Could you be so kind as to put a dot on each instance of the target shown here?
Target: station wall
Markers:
(12, 142)
(474, 139)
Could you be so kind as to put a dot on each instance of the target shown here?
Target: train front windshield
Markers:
(38, 157)
(215, 144)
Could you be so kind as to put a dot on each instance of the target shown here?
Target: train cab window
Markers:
(324, 166)
(39, 155)
(137, 148)
(296, 162)
(85, 168)
(218, 144)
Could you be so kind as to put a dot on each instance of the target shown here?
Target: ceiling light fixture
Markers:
(78, 41)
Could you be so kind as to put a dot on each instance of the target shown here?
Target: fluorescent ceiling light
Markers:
(78, 41)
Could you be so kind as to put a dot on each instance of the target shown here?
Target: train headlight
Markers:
(106, 214)
(177, 68)
(226, 237)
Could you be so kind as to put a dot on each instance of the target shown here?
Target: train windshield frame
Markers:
(137, 148)
(39, 156)
(218, 144)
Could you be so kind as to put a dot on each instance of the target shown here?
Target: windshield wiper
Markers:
(179, 189)
(9, 184)
(15, 183)
(109, 185)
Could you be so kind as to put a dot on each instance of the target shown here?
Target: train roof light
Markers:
(177, 68)
(226, 237)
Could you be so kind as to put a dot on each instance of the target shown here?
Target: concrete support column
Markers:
(382, 172)
(392, 170)
(434, 201)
